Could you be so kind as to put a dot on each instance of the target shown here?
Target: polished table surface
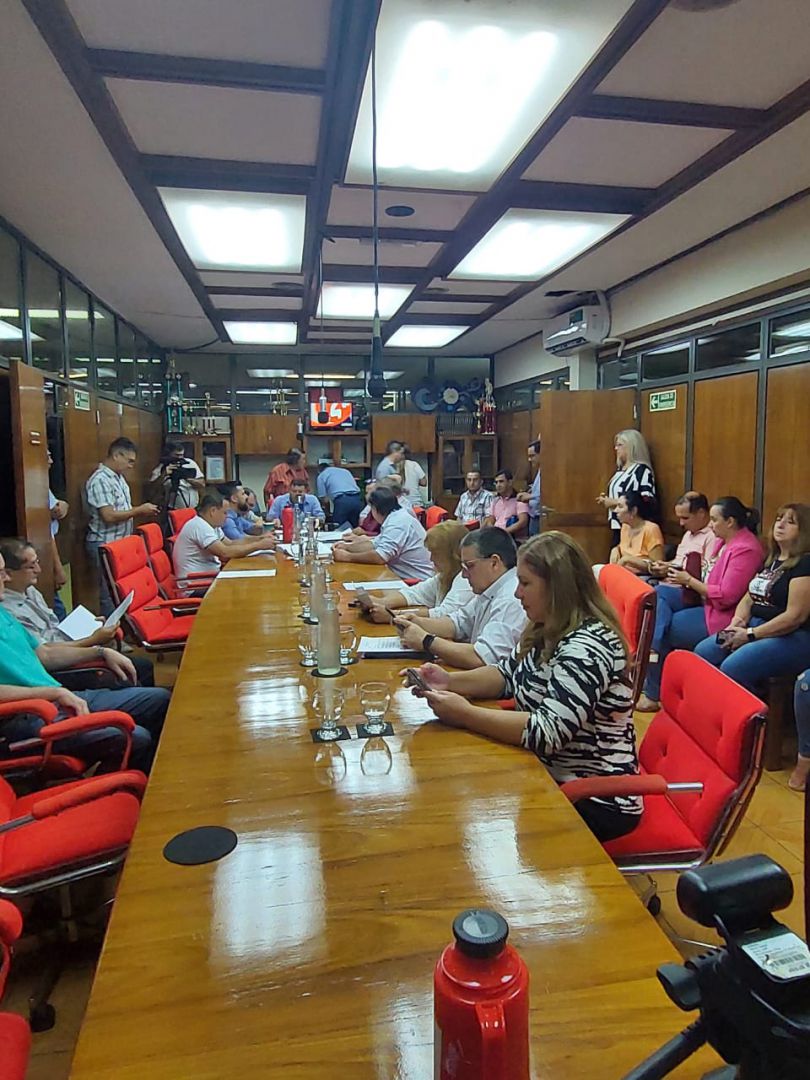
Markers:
(308, 952)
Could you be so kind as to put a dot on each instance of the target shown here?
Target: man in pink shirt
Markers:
(692, 512)
(507, 512)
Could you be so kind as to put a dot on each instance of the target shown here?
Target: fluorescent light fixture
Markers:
(801, 329)
(46, 313)
(271, 373)
(462, 87)
(328, 375)
(527, 244)
(357, 301)
(262, 333)
(238, 230)
(14, 333)
(78, 374)
(386, 374)
(424, 337)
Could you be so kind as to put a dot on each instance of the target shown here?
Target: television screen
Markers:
(339, 414)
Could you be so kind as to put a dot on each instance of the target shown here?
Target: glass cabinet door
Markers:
(454, 466)
(482, 458)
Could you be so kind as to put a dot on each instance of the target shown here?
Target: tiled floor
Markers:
(773, 826)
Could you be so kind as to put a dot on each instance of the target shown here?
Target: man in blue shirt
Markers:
(238, 522)
(533, 497)
(340, 487)
(298, 495)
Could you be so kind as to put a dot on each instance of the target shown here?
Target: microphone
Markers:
(376, 380)
(323, 415)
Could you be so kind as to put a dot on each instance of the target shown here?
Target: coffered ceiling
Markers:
(526, 147)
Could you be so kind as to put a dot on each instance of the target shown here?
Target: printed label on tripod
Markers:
(783, 956)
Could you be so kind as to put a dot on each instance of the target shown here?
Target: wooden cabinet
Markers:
(415, 429)
(263, 433)
(212, 453)
(457, 455)
(348, 448)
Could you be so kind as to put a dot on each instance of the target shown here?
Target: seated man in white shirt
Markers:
(400, 544)
(201, 545)
(486, 630)
(476, 502)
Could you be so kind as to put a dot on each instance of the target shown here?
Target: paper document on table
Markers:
(331, 537)
(323, 550)
(385, 646)
(245, 573)
(261, 551)
(367, 586)
(80, 623)
(123, 607)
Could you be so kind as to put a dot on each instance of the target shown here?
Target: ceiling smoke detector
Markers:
(702, 5)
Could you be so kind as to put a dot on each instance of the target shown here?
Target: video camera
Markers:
(181, 469)
(754, 993)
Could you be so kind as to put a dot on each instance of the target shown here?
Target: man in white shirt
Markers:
(486, 630)
(394, 453)
(414, 481)
(475, 503)
(201, 546)
(400, 544)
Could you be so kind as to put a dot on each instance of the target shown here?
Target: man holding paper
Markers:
(22, 599)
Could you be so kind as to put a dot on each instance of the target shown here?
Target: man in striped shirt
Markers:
(475, 503)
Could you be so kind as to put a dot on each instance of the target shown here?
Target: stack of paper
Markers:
(245, 573)
(331, 537)
(261, 551)
(368, 586)
(385, 646)
(81, 622)
(323, 550)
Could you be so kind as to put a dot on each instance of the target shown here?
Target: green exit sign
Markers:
(663, 400)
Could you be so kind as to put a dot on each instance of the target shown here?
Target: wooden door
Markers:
(264, 434)
(515, 432)
(724, 444)
(27, 401)
(577, 460)
(81, 458)
(787, 422)
(665, 432)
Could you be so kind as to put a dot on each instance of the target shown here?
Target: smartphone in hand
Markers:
(415, 679)
(365, 600)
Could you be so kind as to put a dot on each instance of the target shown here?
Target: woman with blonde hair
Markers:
(633, 473)
(569, 676)
(447, 591)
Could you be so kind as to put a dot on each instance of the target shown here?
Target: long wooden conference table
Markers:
(308, 952)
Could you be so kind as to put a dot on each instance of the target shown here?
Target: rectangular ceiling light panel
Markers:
(262, 333)
(461, 87)
(357, 301)
(424, 337)
(528, 244)
(238, 230)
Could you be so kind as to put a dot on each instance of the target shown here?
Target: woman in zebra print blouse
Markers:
(569, 676)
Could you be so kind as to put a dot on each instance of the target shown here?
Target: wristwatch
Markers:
(749, 633)
(427, 642)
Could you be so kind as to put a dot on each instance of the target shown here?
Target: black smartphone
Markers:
(415, 679)
(723, 638)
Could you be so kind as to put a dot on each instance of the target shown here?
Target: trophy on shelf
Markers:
(485, 410)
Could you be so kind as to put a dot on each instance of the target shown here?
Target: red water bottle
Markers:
(481, 1003)
(287, 519)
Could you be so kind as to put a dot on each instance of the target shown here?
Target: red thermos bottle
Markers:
(481, 1003)
(287, 519)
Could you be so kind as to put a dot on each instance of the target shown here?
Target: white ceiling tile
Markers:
(620, 153)
(432, 210)
(248, 303)
(263, 31)
(392, 253)
(218, 122)
(751, 53)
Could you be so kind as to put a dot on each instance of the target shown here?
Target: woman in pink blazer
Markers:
(735, 558)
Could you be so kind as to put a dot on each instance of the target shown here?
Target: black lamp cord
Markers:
(375, 230)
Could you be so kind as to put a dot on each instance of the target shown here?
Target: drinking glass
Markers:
(303, 600)
(375, 698)
(348, 643)
(328, 704)
(308, 646)
(375, 757)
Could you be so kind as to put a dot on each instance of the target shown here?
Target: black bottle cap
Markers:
(480, 932)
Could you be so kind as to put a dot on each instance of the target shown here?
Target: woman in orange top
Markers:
(641, 541)
(293, 467)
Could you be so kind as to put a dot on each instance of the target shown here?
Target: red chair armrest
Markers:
(185, 601)
(88, 790)
(74, 725)
(507, 703)
(198, 575)
(11, 922)
(607, 786)
(46, 710)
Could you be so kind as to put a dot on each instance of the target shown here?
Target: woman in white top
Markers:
(442, 594)
(633, 473)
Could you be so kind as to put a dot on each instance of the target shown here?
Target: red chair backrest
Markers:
(11, 925)
(634, 601)
(708, 730)
(420, 514)
(159, 561)
(178, 518)
(434, 515)
(128, 570)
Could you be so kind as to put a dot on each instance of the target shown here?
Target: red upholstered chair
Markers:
(434, 515)
(161, 566)
(15, 1034)
(178, 518)
(156, 624)
(420, 514)
(634, 601)
(470, 525)
(699, 764)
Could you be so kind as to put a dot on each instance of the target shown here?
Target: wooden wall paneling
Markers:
(536, 424)
(665, 433)
(109, 424)
(81, 457)
(27, 401)
(131, 429)
(787, 423)
(150, 444)
(514, 435)
(724, 444)
(264, 433)
(418, 430)
(577, 460)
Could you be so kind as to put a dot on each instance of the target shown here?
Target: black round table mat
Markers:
(202, 845)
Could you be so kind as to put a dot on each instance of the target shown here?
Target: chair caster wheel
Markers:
(42, 1017)
(654, 906)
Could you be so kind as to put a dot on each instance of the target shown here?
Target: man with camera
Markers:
(179, 478)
